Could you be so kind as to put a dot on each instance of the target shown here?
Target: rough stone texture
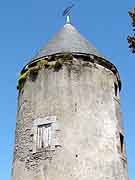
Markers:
(82, 97)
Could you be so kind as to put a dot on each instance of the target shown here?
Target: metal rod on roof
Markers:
(68, 19)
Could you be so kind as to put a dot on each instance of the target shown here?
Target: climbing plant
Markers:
(56, 64)
(23, 76)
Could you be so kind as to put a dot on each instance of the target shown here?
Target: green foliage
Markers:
(22, 80)
(67, 56)
(23, 77)
(58, 65)
(42, 63)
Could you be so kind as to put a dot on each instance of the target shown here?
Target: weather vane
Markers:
(67, 12)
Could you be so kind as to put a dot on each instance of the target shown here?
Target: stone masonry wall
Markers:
(80, 102)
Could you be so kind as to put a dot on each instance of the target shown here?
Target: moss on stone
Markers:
(23, 77)
(58, 65)
(43, 63)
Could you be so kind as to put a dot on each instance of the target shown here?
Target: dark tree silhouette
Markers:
(131, 39)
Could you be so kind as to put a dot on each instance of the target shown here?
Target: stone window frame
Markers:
(116, 92)
(121, 144)
(116, 89)
(122, 141)
(54, 127)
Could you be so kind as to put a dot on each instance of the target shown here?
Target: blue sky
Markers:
(25, 26)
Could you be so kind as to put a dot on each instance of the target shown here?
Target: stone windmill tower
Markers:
(69, 124)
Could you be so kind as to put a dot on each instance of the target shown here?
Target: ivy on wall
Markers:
(56, 64)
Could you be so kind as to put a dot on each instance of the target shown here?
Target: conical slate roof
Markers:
(68, 40)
